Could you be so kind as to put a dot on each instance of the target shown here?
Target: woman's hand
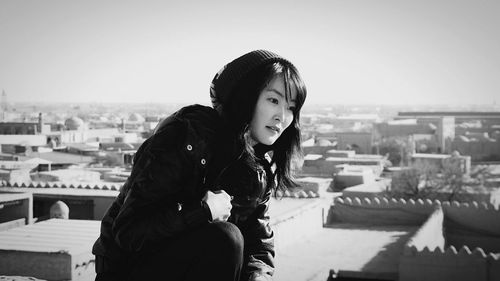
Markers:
(219, 204)
(260, 277)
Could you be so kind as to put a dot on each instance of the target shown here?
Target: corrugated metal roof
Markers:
(51, 236)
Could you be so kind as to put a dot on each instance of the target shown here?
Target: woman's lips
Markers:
(274, 128)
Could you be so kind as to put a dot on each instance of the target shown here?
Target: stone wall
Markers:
(430, 254)
(430, 235)
(448, 264)
(381, 211)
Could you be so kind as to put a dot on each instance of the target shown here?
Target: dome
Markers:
(59, 210)
(324, 142)
(73, 123)
(136, 117)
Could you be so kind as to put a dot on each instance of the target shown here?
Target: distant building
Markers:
(361, 142)
(67, 175)
(92, 135)
(24, 128)
(16, 170)
(463, 124)
(319, 162)
(461, 116)
(74, 124)
(439, 160)
(352, 121)
(425, 136)
(125, 152)
(352, 175)
(56, 160)
(17, 209)
(479, 145)
(136, 118)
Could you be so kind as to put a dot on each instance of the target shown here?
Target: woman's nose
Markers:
(280, 114)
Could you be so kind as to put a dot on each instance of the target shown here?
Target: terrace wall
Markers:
(431, 253)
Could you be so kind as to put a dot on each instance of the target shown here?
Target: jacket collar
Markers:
(263, 152)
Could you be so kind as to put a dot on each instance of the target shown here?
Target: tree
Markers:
(398, 149)
(423, 180)
(405, 183)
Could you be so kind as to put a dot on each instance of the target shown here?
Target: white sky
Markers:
(367, 52)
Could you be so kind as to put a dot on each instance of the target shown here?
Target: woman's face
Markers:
(273, 114)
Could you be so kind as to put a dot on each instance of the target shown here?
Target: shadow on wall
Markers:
(431, 253)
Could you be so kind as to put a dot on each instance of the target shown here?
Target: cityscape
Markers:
(400, 131)
(386, 192)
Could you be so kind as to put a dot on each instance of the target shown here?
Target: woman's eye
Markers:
(292, 108)
(274, 100)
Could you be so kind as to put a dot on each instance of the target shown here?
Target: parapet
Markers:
(419, 204)
(297, 194)
(430, 235)
(417, 211)
(75, 185)
(428, 254)
(380, 211)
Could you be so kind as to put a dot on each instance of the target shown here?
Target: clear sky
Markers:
(367, 51)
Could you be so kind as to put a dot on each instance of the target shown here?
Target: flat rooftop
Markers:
(54, 235)
(352, 250)
(429, 155)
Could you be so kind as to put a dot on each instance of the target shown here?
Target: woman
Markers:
(195, 206)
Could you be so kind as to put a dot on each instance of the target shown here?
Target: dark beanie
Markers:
(228, 77)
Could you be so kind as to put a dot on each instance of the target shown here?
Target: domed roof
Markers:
(136, 117)
(59, 210)
(324, 142)
(73, 123)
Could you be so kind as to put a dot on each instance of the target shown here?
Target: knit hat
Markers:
(229, 76)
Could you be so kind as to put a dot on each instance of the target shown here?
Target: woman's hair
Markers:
(239, 111)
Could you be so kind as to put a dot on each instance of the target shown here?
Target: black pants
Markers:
(212, 252)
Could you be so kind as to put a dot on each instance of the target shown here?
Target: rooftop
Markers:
(356, 250)
(430, 155)
(59, 157)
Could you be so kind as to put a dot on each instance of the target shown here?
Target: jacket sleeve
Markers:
(259, 242)
(150, 213)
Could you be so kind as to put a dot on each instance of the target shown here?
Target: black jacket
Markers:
(172, 171)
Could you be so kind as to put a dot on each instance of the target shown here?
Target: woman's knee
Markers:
(227, 235)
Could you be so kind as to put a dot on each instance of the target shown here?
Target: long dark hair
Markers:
(239, 110)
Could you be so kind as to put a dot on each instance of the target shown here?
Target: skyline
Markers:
(348, 52)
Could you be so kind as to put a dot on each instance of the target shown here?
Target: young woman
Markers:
(195, 206)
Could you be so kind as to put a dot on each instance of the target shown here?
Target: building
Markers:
(324, 162)
(351, 175)
(440, 160)
(409, 129)
(86, 201)
(458, 134)
(393, 239)
(122, 151)
(361, 142)
(55, 249)
(24, 128)
(17, 210)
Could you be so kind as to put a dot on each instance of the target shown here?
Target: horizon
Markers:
(324, 104)
(408, 53)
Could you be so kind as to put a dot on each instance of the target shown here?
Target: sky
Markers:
(348, 52)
